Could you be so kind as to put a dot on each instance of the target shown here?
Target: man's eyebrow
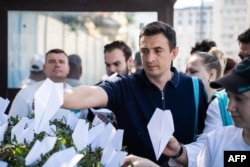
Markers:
(113, 62)
(158, 47)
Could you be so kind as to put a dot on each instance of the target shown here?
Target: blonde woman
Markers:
(207, 67)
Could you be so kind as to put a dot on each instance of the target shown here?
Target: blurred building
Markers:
(231, 17)
(220, 20)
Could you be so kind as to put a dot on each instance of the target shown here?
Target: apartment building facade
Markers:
(220, 20)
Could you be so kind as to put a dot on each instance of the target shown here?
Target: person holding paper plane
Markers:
(194, 148)
(184, 158)
(56, 68)
(229, 138)
(134, 98)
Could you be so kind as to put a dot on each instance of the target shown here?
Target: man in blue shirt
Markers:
(135, 97)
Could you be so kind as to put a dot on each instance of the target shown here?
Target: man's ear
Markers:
(68, 69)
(175, 52)
(130, 62)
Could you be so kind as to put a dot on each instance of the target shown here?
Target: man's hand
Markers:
(172, 147)
(136, 161)
(177, 151)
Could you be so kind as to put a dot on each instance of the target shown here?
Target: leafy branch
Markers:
(14, 154)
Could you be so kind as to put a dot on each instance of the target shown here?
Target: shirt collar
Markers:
(174, 80)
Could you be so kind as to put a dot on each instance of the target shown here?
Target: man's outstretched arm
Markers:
(82, 97)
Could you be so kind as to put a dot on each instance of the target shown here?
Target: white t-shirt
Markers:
(213, 121)
(228, 138)
(26, 82)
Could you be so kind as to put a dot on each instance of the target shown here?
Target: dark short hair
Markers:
(75, 64)
(75, 59)
(119, 45)
(203, 46)
(56, 51)
(244, 37)
(158, 27)
(138, 59)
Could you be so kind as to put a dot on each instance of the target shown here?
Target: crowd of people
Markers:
(219, 122)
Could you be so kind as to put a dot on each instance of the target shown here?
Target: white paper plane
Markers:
(112, 158)
(48, 99)
(103, 111)
(38, 149)
(3, 105)
(64, 158)
(3, 128)
(80, 134)
(23, 130)
(160, 128)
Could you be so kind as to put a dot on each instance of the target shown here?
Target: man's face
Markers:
(115, 62)
(244, 50)
(156, 55)
(56, 67)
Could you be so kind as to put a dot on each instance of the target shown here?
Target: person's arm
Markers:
(136, 161)
(83, 97)
(212, 121)
(176, 151)
(213, 118)
(203, 158)
(173, 149)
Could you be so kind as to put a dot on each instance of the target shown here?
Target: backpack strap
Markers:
(196, 99)
(223, 100)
